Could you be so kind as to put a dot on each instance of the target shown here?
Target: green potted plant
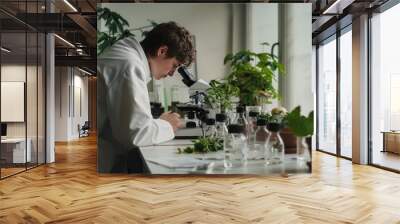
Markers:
(219, 95)
(302, 127)
(254, 75)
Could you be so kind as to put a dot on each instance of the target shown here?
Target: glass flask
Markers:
(235, 147)
(259, 141)
(275, 150)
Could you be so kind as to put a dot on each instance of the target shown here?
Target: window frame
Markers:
(334, 37)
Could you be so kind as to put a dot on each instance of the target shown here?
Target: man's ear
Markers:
(163, 50)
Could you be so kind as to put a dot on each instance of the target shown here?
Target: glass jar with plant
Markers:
(275, 149)
(302, 127)
(254, 74)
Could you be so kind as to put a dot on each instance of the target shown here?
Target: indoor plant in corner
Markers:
(254, 74)
(302, 127)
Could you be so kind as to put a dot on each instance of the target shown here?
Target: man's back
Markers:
(124, 117)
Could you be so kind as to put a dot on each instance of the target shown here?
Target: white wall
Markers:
(17, 73)
(67, 115)
(79, 117)
(262, 26)
(33, 126)
(14, 72)
(61, 103)
(297, 86)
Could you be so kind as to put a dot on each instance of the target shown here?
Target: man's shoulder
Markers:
(126, 58)
(123, 49)
(124, 54)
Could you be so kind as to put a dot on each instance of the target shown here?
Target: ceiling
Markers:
(332, 15)
(72, 20)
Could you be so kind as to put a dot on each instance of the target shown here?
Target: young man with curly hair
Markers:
(124, 114)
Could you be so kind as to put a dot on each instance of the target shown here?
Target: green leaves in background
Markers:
(299, 124)
(220, 94)
(114, 21)
(115, 25)
(254, 75)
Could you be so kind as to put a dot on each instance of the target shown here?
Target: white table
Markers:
(158, 159)
(17, 146)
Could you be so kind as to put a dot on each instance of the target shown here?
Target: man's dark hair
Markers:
(176, 38)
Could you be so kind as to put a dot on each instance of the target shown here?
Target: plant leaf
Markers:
(299, 124)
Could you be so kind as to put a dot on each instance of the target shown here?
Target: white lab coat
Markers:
(124, 114)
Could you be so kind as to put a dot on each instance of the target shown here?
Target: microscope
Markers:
(196, 111)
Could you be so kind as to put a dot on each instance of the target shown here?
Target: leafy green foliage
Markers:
(272, 118)
(220, 93)
(299, 124)
(204, 145)
(115, 25)
(254, 75)
(116, 29)
(264, 116)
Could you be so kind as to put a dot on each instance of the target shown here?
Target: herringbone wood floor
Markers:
(70, 191)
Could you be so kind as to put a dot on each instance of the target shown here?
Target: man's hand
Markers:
(173, 119)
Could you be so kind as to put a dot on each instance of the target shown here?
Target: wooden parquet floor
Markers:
(70, 191)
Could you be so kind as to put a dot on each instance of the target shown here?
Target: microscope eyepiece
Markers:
(187, 77)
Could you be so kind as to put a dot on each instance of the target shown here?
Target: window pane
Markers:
(385, 84)
(327, 97)
(15, 150)
(346, 94)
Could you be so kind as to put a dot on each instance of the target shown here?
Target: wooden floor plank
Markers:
(71, 191)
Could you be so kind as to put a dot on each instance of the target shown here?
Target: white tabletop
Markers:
(165, 159)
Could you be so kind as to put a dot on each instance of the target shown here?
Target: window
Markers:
(22, 76)
(327, 96)
(385, 89)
